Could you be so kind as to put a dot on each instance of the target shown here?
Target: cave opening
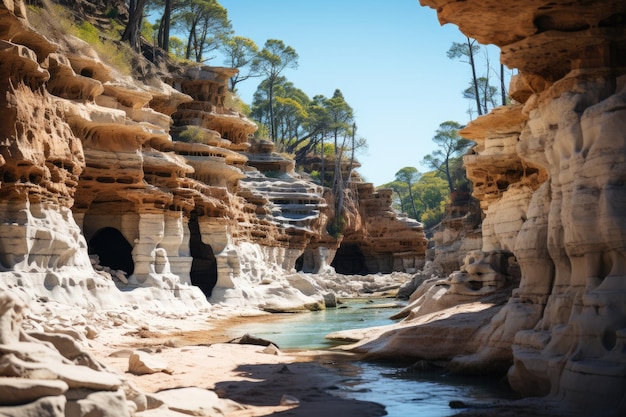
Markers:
(112, 249)
(349, 260)
(300, 263)
(203, 265)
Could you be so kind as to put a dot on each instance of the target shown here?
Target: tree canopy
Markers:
(421, 196)
(240, 52)
(480, 90)
(451, 146)
(273, 59)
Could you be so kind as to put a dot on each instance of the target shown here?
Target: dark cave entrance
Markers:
(299, 263)
(113, 250)
(349, 260)
(204, 265)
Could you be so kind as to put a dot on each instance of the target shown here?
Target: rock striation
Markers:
(378, 239)
(549, 173)
(109, 183)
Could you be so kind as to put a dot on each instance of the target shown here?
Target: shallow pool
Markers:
(402, 393)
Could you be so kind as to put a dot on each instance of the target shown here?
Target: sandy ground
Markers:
(198, 355)
(254, 382)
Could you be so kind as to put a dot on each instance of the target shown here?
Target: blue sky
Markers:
(387, 58)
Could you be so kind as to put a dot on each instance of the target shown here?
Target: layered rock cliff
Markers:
(549, 171)
(109, 182)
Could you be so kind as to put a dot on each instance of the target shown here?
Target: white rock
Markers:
(21, 390)
(196, 401)
(141, 363)
(289, 400)
(272, 350)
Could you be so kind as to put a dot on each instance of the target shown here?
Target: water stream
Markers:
(402, 393)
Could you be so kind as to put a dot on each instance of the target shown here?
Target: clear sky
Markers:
(387, 58)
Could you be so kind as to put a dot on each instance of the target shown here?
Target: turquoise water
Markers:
(402, 393)
(307, 330)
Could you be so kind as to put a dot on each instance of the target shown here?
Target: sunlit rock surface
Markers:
(378, 239)
(549, 171)
(109, 183)
(121, 198)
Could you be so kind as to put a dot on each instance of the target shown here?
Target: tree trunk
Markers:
(167, 15)
(450, 186)
(323, 170)
(270, 96)
(412, 200)
(502, 88)
(351, 156)
(132, 32)
(160, 34)
(474, 79)
(338, 185)
(190, 41)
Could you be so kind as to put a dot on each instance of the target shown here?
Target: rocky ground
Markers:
(65, 361)
(57, 360)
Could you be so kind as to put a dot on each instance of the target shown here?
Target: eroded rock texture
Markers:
(549, 171)
(378, 239)
(108, 182)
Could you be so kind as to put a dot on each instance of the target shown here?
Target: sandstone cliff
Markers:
(111, 182)
(549, 171)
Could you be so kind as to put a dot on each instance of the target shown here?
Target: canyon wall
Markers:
(544, 299)
(549, 171)
(110, 183)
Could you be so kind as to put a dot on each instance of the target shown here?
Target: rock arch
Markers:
(113, 249)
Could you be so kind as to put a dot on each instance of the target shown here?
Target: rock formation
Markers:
(108, 182)
(549, 171)
(378, 239)
(121, 195)
(458, 233)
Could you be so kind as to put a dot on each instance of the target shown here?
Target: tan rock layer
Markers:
(550, 175)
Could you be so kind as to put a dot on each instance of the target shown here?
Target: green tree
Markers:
(205, 22)
(274, 58)
(487, 94)
(317, 127)
(430, 191)
(427, 197)
(240, 52)
(289, 111)
(133, 27)
(408, 176)
(177, 47)
(451, 145)
(165, 9)
(467, 52)
(342, 127)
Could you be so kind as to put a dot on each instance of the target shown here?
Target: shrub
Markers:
(60, 21)
(193, 134)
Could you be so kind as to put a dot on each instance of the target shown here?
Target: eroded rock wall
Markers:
(549, 171)
(376, 238)
(108, 182)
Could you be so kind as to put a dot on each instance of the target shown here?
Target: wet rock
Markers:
(248, 339)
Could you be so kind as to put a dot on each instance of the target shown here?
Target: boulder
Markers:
(141, 363)
(14, 391)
